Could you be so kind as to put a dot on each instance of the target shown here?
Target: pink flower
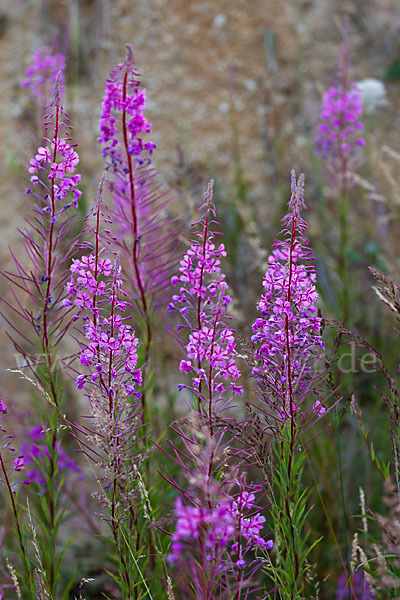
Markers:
(287, 334)
(203, 300)
(318, 408)
(19, 463)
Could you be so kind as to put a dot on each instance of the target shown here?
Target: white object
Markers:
(373, 93)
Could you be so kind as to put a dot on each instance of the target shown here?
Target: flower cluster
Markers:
(63, 160)
(111, 348)
(3, 408)
(203, 301)
(123, 93)
(34, 452)
(288, 331)
(222, 526)
(357, 589)
(340, 130)
(248, 527)
(214, 523)
(146, 235)
(43, 72)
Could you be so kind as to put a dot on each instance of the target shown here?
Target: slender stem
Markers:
(110, 392)
(138, 275)
(14, 508)
(343, 201)
(342, 495)
(290, 492)
(135, 247)
(199, 325)
(50, 367)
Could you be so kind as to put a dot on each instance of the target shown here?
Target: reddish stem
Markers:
(135, 248)
(290, 385)
(14, 507)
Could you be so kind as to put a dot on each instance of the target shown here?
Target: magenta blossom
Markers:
(3, 407)
(340, 131)
(62, 178)
(123, 93)
(19, 463)
(287, 334)
(110, 351)
(35, 452)
(226, 526)
(41, 74)
(202, 301)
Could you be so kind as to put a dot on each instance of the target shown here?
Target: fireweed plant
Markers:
(339, 143)
(144, 233)
(39, 320)
(41, 74)
(217, 520)
(287, 363)
(110, 380)
(219, 533)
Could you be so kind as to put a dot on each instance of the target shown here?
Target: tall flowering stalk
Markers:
(145, 234)
(287, 334)
(287, 352)
(210, 526)
(203, 300)
(339, 142)
(110, 378)
(39, 321)
(55, 192)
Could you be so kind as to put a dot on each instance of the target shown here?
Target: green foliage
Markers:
(393, 70)
(289, 512)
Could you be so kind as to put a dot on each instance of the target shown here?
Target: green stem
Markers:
(345, 522)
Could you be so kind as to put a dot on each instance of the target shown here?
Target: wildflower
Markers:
(340, 131)
(192, 521)
(62, 179)
(19, 463)
(123, 93)
(35, 453)
(358, 590)
(111, 346)
(202, 301)
(145, 235)
(48, 246)
(318, 408)
(221, 524)
(3, 407)
(108, 351)
(287, 334)
(43, 72)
